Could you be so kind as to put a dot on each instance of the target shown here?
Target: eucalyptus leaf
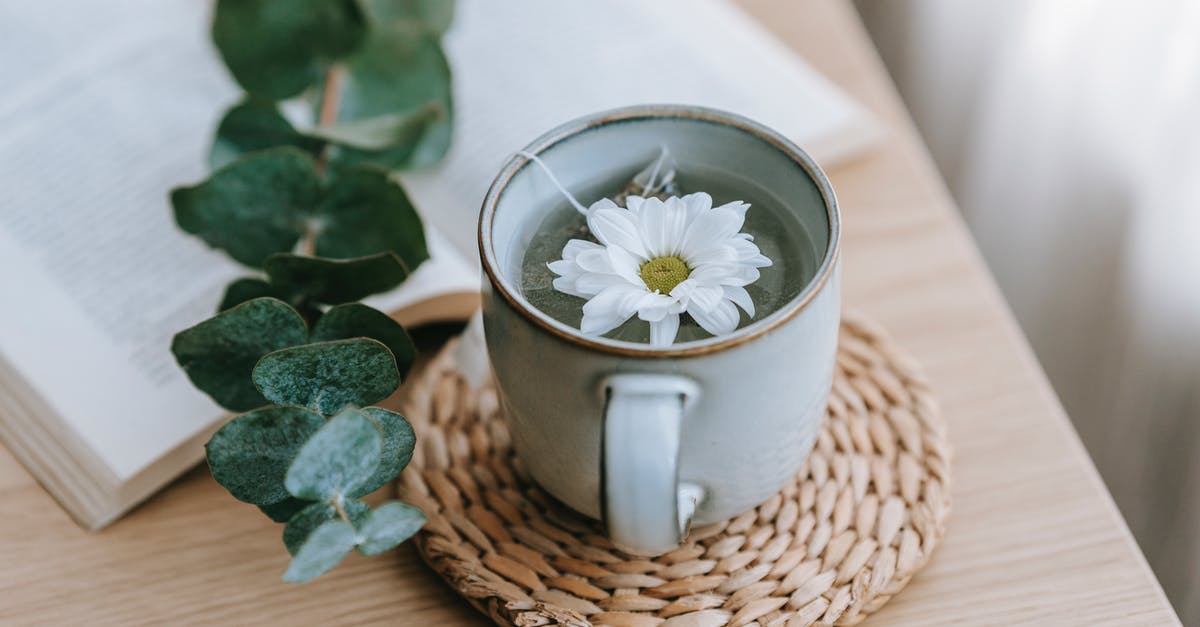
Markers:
(365, 212)
(250, 455)
(220, 353)
(323, 549)
(435, 15)
(398, 443)
(389, 525)
(328, 376)
(401, 68)
(357, 320)
(254, 125)
(242, 290)
(337, 460)
(382, 131)
(316, 514)
(277, 49)
(335, 281)
(283, 511)
(252, 207)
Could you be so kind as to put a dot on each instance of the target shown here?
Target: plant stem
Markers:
(337, 505)
(331, 96)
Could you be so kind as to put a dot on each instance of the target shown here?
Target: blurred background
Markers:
(1069, 134)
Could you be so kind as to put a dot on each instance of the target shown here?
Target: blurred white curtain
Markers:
(1069, 133)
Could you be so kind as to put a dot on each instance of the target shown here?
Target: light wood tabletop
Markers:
(1033, 537)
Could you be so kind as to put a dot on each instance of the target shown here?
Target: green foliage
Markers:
(337, 460)
(251, 455)
(317, 514)
(357, 320)
(387, 526)
(328, 376)
(366, 212)
(334, 281)
(401, 68)
(220, 353)
(433, 15)
(254, 125)
(321, 551)
(252, 207)
(397, 451)
(277, 49)
(320, 213)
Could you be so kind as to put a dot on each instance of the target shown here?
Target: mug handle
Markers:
(644, 506)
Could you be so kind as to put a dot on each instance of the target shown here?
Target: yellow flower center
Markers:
(662, 274)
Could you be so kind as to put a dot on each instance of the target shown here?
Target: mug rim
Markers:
(575, 127)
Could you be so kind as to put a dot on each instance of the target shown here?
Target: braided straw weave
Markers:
(833, 546)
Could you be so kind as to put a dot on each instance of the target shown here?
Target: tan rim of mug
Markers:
(649, 112)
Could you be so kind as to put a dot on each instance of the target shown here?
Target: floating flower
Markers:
(660, 259)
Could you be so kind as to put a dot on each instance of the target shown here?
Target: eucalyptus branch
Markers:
(291, 347)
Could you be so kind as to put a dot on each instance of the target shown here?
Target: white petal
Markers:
(662, 333)
(742, 275)
(566, 285)
(577, 246)
(711, 228)
(634, 204)
(663, 225)
(615, 227)
(694, 294)
(653, 307)
(696, 204)
(723, 253)
(713, 273)
(736, 206)
(625, 264)
(748, 252)
(603, 203)
(740, 297)
(719, 320)
(594, 282)
(610, 308)
(564, 267)
(595, 260)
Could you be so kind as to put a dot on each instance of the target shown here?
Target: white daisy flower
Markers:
(660, 259)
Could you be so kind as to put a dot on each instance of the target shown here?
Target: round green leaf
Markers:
(220, 353)
(324, 548)
(251, 454)
(328, 376)
(316, 514)
(337, 460)
(434, 15)
(365, 212)
(253, 207)
(283, 511)
(242, 290)
(389, 525)
(335, 281)
(256, 125)
(398, 443)
(277, 49)
(357, 320)
(397, 69)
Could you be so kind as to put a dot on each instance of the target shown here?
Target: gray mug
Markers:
(651, 439)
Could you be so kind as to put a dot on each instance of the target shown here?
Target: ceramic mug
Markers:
(649, 439)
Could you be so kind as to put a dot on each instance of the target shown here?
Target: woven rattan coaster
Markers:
(833, 546)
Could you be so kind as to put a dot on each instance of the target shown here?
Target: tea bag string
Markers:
(554, 179)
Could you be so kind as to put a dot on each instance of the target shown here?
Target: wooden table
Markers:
(1033, 537)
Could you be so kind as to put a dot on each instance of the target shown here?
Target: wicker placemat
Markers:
(832, 547)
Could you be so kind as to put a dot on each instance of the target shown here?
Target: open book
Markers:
(117, 105)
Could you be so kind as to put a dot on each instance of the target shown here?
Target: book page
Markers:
(522, 68)
(108, 106)
(114, 106)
